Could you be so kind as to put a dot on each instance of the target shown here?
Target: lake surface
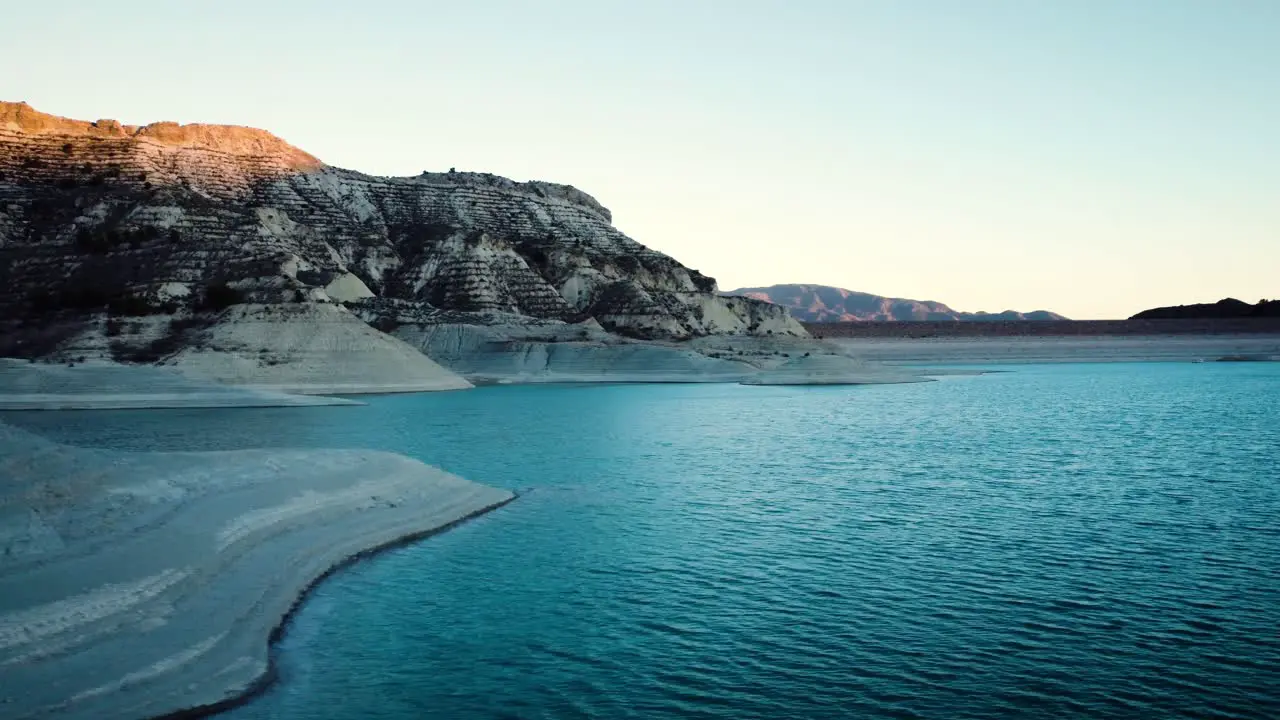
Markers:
(1087, 541)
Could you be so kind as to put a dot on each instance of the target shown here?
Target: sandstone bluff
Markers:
(226, 249)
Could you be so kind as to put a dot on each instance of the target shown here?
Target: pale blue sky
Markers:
(1093, 157)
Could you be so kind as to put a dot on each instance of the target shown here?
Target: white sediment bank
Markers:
(313, 350)
(562, 353)
(138, 584)
(103, 385)
(579, 362)
(584, 354)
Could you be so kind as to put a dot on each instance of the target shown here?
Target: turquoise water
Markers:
(1087, 541)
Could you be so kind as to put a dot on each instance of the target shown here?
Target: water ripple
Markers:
(1068, 541)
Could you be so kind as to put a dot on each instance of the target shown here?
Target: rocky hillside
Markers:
(1225, 308)
(102, 222)
(823, 303)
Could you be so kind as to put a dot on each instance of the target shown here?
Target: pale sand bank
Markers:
(505, 354)
(138, 584)
(563, 354)
(103, 385)
(311, 350)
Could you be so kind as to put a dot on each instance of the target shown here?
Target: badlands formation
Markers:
(230, 255)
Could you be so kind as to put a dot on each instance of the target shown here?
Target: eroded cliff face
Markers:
(168, 219)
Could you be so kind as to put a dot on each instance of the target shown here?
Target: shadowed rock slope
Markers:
(1227, 308)
(102, 224)
(822, 303)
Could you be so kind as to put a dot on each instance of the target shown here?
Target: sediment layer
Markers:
(140, 584)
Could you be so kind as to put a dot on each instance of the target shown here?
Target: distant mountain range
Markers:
(1225, 308)
(823, 303)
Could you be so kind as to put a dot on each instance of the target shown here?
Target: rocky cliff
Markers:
(102, 224)
(822, 303)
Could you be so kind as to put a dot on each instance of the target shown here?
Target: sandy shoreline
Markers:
(155, 401)
(839, 361)
(149, 584)
(145, 584)
(101, 385)
(714, 359)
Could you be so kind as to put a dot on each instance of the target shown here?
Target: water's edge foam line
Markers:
(272, 672)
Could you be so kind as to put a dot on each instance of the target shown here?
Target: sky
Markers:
(1091, 157)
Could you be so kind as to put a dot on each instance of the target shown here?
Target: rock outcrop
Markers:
(823, 303)
(1227, 308)
(102, 222)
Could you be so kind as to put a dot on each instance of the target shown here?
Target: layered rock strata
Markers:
(102, 221)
